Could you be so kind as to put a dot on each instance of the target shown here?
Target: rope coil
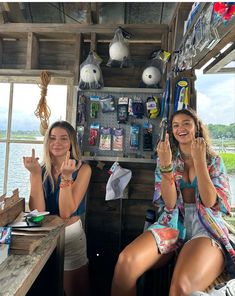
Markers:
(43, 111)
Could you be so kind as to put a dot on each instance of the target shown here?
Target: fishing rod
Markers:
(165, 110)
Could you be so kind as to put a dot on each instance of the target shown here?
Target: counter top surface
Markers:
(18, 272)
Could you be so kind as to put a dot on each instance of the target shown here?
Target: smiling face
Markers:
(183, 128)
(59, 142)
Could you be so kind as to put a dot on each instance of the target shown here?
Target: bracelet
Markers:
(166, 169)
(65, 183)
(166, 172)
(64, 178)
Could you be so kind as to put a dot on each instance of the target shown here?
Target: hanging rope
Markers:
(43, 111)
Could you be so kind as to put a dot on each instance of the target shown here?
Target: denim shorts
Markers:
(193, 225)
(75, 246)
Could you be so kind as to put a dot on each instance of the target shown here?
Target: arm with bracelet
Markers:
(168, 190)
(72, 191)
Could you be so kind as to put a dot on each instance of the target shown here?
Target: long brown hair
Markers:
(74, 148)
(201, 131)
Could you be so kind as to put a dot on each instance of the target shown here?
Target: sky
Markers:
(216, 97)
(25, 101)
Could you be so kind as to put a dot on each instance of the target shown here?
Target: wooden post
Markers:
(77, 57)
(32, 52)
(93, 45)
(1, 52)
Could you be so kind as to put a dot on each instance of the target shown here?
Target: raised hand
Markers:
(68, 166)
(198, 149)
(31, 163)
(164, 152)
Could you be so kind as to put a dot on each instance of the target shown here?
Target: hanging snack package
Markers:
(147, 136)
(134, 137)
(81, 110)
(80, 134)
(105, 138)
(122, 110)
(119, 54)
(94, 106)
(90, 72)
(153, 107)
(138, 107)
(130, 110)
(94, 133)
(107, 104)
(118, 139)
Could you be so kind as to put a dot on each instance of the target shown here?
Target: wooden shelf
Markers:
(126, 90)
(118, 159)
(25, 49)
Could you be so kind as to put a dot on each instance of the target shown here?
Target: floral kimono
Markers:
(169, 230)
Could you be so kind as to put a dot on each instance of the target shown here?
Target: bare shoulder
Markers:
(85, 169)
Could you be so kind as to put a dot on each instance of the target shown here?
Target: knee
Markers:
(181, 286)
(126, 264)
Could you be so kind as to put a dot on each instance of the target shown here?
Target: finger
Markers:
(167, 141)
(193, 137)
(66, 161)
(67, 155)
(33, 154)
(71, 163)
(62, 166)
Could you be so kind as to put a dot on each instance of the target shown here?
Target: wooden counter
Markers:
(42, 271)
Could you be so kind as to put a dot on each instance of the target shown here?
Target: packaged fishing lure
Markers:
(94, 133)
(134, 137)
(118, 139)
(105, 138)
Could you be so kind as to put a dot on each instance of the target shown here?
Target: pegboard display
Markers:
(110, 120)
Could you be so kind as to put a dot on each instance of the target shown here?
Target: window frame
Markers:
(70, 114)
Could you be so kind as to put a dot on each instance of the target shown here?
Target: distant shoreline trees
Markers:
(218, 131)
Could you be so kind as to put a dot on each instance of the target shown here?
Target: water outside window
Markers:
(25, 130)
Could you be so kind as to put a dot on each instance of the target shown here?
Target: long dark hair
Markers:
(201, 131)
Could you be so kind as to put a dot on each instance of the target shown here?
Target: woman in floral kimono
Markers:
(192, 190)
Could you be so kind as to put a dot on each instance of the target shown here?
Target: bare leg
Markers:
(198, 265)
(133, 261)
(76, 282)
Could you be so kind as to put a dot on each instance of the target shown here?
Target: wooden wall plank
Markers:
(77, 58)
(14, 54)
(32, 52)
(1, 52)
(93, 45)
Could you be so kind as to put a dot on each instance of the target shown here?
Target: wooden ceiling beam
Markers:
(141, 33)
(4, 8)
(15, 13)
(217, 66)
(80, 28)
